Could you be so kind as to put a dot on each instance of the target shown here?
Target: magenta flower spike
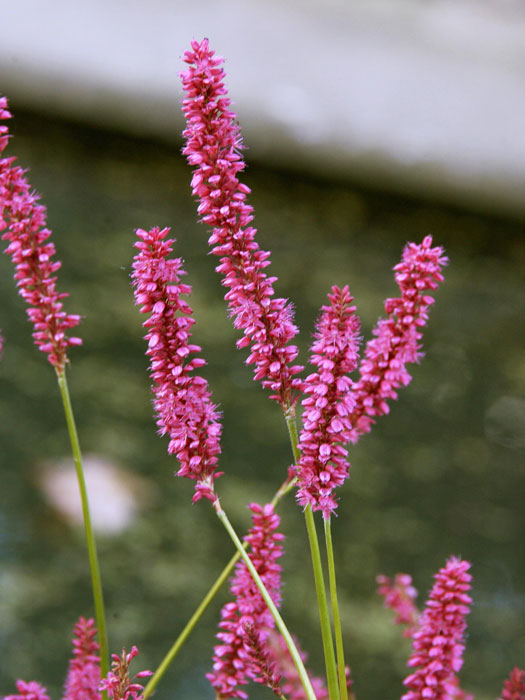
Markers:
(397, 338)
(246, 622)
(399, 596)
(32, 254)
(182, 399)
(29, 691)
(213, 145)
(83, 676)
(328, 404)
(438, 644)
(514, 686)
(118, 684)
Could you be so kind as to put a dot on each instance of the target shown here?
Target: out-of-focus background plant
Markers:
(366, 128)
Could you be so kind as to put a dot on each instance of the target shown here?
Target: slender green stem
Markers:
(172, 653)
(271, 605)
(335, 610)
(324, 615)
(96, 582)
(285, 487)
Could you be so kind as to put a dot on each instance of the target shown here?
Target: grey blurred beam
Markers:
(423, 98)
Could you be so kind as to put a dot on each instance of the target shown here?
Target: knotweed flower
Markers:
(118, 684)
(328, 404)
(83, 676)
(213, 145)
(32, 253)
(399, 596)
(514, 686)
(29, 691)
(291, 685)
(182, 399)
(438, 644)
(396, 342)
(246, 622)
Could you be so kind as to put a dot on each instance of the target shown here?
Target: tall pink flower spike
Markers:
(83, 676)
(438, 644)
(514, 686)
(32, 253)
(396, 341)
(213, 144)
(246, 622)
(328, 404)
(182, 399)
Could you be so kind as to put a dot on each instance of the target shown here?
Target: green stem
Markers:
(271, 605)
(172, 653)
(343, 689)
(217, 585)
(96, 582)
(324, 615)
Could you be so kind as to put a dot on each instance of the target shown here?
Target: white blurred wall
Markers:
(421, 96)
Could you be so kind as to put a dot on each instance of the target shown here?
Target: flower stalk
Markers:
(96, 581)
(310, 694)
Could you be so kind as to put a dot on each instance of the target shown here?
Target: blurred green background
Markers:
(442, 474)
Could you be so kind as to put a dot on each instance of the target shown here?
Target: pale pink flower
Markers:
(32, 253)
(83, 676)
(399, 596)
(213, 145)
(182, 399)
(438, 644)
(328, 404)
(118, 684)
(397, 338)
(28, 691)
(514, 686)
(246, 622)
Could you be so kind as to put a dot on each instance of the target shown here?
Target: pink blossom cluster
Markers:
(246, 622)
(118, 684)
(514, 686)
(399, 596)
(182, 399)
(32, 253)
(328, 404)
(397, 338)
(438, 644)
(83, 676)
(213, 145)
(28, 691)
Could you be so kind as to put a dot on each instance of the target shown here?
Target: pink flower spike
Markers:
(397, 338)
(291, 685)
(399, 597)
(213, 145)
(328, 404)
(32, 253)
(31, 690)
(438, 644)
(514, 686)
(118, 684)
(83, 676)
(246, 622)
(182, 399)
